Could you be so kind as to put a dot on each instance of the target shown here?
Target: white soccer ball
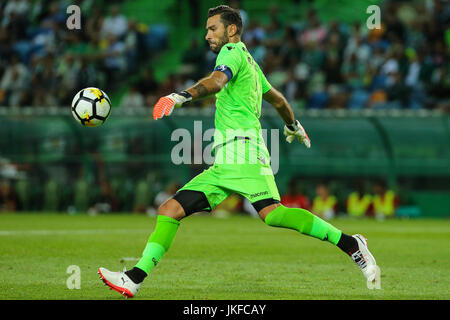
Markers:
(91, 107)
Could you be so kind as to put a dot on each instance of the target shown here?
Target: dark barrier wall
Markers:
(344, 144)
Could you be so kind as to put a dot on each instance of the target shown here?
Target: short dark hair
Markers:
(228, 16)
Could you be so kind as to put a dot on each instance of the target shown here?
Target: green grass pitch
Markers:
(234, 258)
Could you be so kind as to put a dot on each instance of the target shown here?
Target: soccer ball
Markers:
(91, 107)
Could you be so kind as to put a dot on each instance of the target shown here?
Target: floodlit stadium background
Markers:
(375, 103)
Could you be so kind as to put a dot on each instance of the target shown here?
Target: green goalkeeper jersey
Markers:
(238, 105)
(240, 166)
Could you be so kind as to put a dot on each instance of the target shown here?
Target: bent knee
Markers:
(263, 213)
(172, 208)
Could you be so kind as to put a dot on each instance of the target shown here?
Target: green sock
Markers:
(158, 243)
(304, 222)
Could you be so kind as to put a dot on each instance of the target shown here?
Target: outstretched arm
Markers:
(208, 85)
(205, 87)
(279, 102)
(292, 129)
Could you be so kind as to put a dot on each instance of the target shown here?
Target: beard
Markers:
(220, 43)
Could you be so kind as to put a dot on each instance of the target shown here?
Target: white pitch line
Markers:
(130, 259)
(67, 232)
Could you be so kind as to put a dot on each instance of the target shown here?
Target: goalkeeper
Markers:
(242, 161)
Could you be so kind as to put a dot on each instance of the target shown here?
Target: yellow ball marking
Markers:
(97, 93)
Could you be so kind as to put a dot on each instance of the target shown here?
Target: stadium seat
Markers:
(378, 82)
(358, 99)
(417, 99)
(318, 100)
(157, 37)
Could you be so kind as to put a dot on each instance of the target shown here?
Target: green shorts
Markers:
(241, 167)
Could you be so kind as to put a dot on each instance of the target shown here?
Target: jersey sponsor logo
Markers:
(263, 193)
(222, 67)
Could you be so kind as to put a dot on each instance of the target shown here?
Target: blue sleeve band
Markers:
(225, 70)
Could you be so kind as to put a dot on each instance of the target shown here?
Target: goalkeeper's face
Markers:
(216, 33)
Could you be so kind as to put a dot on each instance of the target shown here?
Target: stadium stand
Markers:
(389, 85)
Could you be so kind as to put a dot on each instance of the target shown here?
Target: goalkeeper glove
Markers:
(165, 105)
(296, 130)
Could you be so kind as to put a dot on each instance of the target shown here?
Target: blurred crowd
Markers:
(44, 63)
(100, 189)
(380, 202)
(317, 64)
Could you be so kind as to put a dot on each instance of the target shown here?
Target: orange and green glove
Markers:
(165, 105)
